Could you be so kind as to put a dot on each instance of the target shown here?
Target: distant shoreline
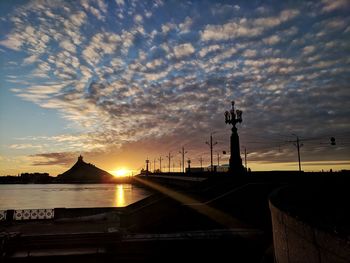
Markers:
(129, 179)
(53, 180)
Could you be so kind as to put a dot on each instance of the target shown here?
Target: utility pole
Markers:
(201, 161)
(211, 150)
(180, 166)
(183, 159)
(169, 158)
(160, 163)
(245, 158)
(298, 145)
(218, 154)
(154, 165)
(147, 162)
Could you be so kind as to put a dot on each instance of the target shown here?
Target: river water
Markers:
(36, 196)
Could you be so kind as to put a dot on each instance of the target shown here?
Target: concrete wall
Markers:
(149, 209)
(297, 241)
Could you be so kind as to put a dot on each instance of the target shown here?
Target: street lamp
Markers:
(233, 117)
(147, 162)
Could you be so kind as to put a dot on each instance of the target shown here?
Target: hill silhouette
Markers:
(82, 172)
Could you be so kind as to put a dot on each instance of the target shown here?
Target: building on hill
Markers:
(82, 172)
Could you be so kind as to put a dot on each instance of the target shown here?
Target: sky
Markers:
(121, 81)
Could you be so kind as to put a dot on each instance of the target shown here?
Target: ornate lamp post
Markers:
(233, 117)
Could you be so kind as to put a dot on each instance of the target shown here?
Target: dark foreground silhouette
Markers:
(218, 217)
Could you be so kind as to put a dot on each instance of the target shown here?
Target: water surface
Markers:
(31, 196)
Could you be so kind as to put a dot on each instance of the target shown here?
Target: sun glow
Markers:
(121, 172)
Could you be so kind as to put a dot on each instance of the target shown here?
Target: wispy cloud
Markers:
(246, 27)
(329, 5)
(24, 146)
(61, 158)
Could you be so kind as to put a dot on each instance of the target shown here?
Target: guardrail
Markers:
(33, 214)
(55, 213)
(26, 214)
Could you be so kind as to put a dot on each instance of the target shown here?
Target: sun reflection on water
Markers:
(119, 196)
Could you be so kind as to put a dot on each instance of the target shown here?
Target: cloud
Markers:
(138, 19)
(45, 89)
(104, 44)
(24, 146)
(334, 24)
(96, 13)
(148, 14)
(91, 55)
(332, 5)
(57, 158)
(225, 54)
(120, 2)
(272, 40)
(93, 10)
(67, 45)
(79, 18)
(168, 27)
(308, 50)
(12, 41)
(31, 59)
(223, 9)
(249, 53)
(186, 25)
(270, 22)
(155, 63)
(228, 31)
(246, 27)
(183, 50)
(102, 5)
(204, 51)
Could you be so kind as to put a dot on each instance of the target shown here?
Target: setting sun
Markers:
(121, 172)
